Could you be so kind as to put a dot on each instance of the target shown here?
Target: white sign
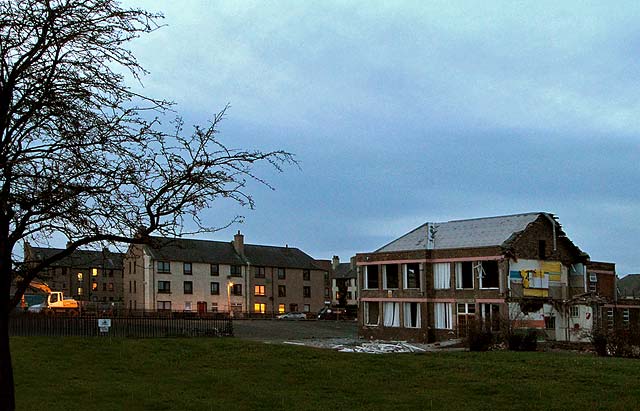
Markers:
(104, 324)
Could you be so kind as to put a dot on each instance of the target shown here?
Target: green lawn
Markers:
(230, 374)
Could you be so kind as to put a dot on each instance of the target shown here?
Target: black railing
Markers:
(136, 327)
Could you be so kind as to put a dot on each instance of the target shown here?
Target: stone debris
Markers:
(376, 347)
(380, 348)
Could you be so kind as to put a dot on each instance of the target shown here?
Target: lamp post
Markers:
(229, 285)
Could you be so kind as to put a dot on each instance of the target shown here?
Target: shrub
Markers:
(479, 337)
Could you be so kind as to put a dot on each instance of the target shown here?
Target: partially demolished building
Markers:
(432, 282)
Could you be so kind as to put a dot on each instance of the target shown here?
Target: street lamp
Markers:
(229, 285)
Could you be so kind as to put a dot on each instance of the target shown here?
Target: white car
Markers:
(36, 308)
(292, 316)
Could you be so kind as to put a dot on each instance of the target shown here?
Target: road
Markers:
(283, 330)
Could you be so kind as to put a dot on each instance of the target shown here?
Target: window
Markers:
(258, 290)
(593, 277)
(293, 308)
(542, 249)
(442, 313)
(94, 272)
(236, 307)
(411, 273)
(258, 272)
(215, 288)
(214, 307)
(282, 291)
(281, 274)
(259, 308)
(464, 275)
(490, 314)
(163, 266)
(306, 275)
(104, 286)
(575, 311)
(236, 271)
(306, 292)
(187, 269)
(164, 287)
(466, 314)
(80, 291)
(371, 313)
(489, 277)
(349, 295)
(94, 286)
(390, 276)
(110, 287)
(550, 323)
(411, 315)
(281, 309)
(371, 277)
(79, 276)
(625, 316)
(188, 287)
(306, 308)
(610, 318)
(215, 270)
(236, 289)
(164, 305)
(135, 289)
(391, 313)
(327, 293)
(187, 305)
(442, 276)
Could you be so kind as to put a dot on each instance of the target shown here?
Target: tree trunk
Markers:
(7, 394)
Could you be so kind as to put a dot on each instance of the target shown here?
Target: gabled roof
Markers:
(220, 252)
(344, 270)
(477, 232)
(81, 258)
(629, 285)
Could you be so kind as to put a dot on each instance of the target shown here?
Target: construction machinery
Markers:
(54, 303)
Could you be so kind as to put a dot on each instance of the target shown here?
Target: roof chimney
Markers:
(238, 243)
(335, 261)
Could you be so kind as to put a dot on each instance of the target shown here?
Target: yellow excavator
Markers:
(54, 303)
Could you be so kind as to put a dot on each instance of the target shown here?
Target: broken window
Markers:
(371, 277)
(442, 314)
(390, 276)
(371, 313)
(466, 315)
(489, 277)
(490, 314)
(442, 276)
(542, 248)
(411, 275)
(412, 315)
(550, 323)
(464, 275)
(391, 313)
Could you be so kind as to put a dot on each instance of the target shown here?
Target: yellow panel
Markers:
(535, 292)
(554, 277)
(552, 266)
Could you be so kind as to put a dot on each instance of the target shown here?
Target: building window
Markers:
(466, 315)
(258, 272)
(236, 271)
(188, 287)
(80, 291)
(327, 293)
(411, 315)
(442, 276)
(575, 311)
(94, 272)
(281, 273)
(490, 314)
(306, 308)
(187, 305)
(259, 290)
(550, 323)
(390, 276)
(282, 291)
(215, 288)
(391, 312)
(464, 275)
(542, 249)
(306, 275)
(163, 266)
(236, 289)
(489, 277)
(215, 270)
(187, 269)
(94, 286)
(259, 308)
(79, 276)
(610, 318)
(442, 313)
(214, 307)
(104, 286)
(371, 277)
(625, 317)
(371, 313)
(135, 289)
(293, 308)
(236, 307)
(164, 287)
(306, 292)
(281, 309)
(164, 305)
(110, 287)
(411, 273)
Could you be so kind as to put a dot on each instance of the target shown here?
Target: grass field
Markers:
(230, 374)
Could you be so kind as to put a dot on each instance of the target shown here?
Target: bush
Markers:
(521, 341)
(618, 342)
(479, 338)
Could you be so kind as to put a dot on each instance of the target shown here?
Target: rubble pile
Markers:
(380, 348)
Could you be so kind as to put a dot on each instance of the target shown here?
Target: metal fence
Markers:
(135, 327)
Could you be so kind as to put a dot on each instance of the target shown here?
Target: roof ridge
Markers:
(491, 217)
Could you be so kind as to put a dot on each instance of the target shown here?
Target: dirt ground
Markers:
(285, 330)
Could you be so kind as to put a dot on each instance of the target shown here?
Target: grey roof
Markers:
(629, 285)
(344, 270)
(81, 258)
(220, 252)
(477, 232)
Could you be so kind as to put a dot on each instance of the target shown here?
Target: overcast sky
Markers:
(403, 113)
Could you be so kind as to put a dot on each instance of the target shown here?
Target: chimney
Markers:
(238, 243)
(353, 262)
(335, 261)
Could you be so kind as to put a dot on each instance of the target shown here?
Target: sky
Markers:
(401, 113)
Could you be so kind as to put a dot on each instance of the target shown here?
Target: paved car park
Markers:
(283, 330)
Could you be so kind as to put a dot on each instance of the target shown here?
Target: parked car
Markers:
(292, 316)
(36, 308)
(328, 313)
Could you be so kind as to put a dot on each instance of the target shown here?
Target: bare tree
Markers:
(81, 153)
